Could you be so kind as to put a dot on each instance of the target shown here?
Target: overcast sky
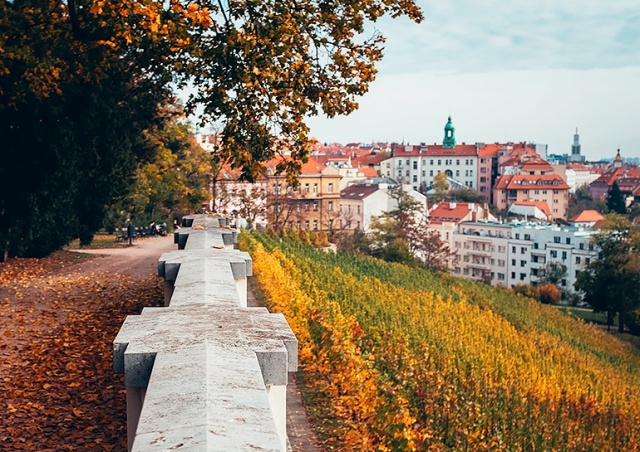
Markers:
(506, 71)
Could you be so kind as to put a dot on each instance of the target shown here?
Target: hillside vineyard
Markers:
(396, 358)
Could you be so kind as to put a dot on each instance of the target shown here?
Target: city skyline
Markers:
(518, 71)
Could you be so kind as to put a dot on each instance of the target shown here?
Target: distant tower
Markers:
(575, 149)
(617, 161)
(449, 141)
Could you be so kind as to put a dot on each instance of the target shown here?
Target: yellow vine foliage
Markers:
(398, 364)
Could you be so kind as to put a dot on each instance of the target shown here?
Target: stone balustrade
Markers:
(205, 372)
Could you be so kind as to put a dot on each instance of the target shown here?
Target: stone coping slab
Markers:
(206, 398)
(172, 330)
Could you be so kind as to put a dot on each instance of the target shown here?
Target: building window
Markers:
(564, 255)
(358, 209)
(587, 260)
(500, 276)
(306, 188)
(513, 249)
(523, 263)
(556, 239)
(330, 206)
(513, 275)
(315, 225)
(513, 262)
(415, 165)
(315, 206)
(431, 162)
(568, 240)
(330, 189)
(554, 254)
(315, 188)
(431, 173)
(523, 250)
(408, 172)
(415, 178)
(523, 276)
(306, 224)
(578, 260)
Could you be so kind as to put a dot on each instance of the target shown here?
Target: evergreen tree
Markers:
(615, 200)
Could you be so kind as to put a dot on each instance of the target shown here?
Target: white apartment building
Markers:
(418, 165)
(517, 253)
(360, 203)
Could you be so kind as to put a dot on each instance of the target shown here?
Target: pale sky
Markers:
(506, 71)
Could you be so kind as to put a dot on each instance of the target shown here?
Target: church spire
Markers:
(449, 141)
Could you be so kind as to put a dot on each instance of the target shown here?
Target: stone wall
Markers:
(205, 372)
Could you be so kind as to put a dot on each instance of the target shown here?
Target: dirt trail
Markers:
(138, 260)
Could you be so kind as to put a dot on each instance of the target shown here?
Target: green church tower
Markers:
(449, 141)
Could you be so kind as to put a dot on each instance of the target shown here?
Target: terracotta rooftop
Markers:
(542, 205)
(489, 150)
(367, 171)
(587, 216)
(449, 212)
(526, 182)
(358, 191)
(435, 150)
(369, 159)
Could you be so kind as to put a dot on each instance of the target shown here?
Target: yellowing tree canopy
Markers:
(80, 81)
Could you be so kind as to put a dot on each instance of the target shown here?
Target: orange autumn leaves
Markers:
(56, 377)
(399, 359)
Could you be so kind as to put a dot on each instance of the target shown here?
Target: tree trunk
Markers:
(621, 322)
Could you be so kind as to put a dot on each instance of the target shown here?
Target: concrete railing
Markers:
(205, 372)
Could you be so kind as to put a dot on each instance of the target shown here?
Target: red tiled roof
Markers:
(587, 216)
(358, 191)
(369, 159)
(325, 158)
(537, 166)
(449, 212)
(312, 167)
(435, 150)
(610, 176)
(367, 171)
(542, 205)
(526, 182)
(489, 150)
